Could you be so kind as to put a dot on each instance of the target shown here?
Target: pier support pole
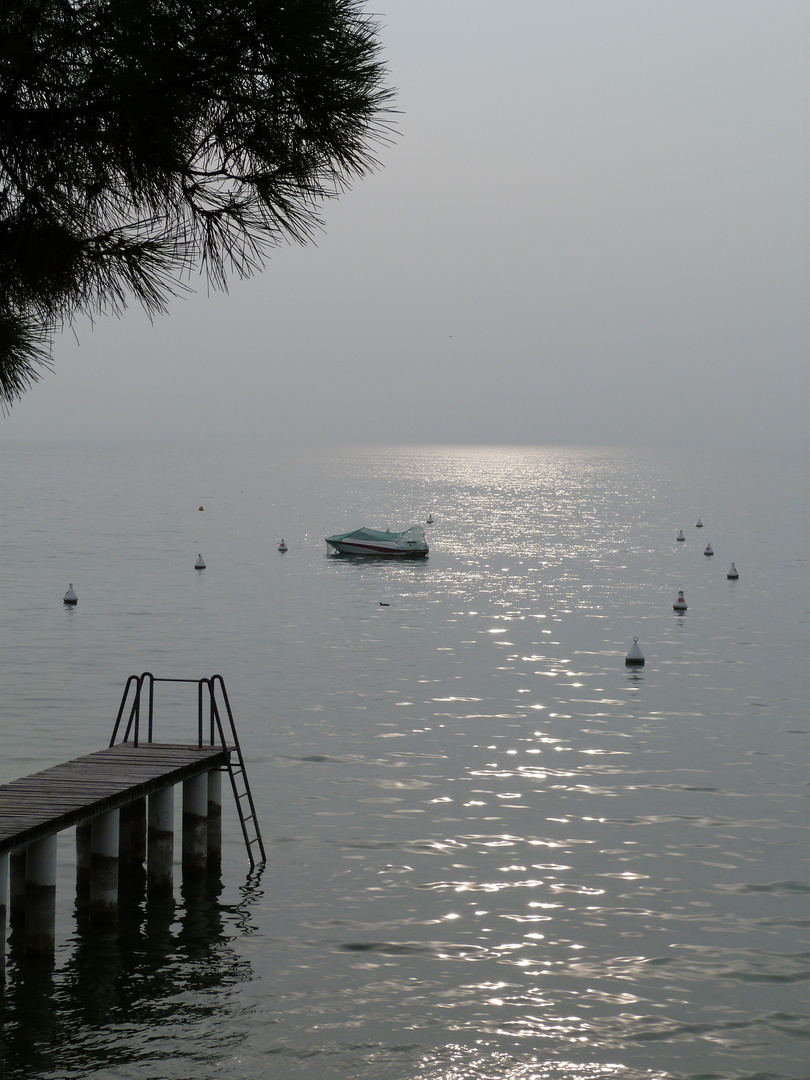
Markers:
(195, 825)
(214, 821)
(3, 915)
(104, 867)
(83, 835)
(160, 850)
(16, 898)
(132, 839)
(40, 897)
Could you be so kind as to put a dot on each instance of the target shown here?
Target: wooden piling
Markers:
(104, 838)
(214, 840)
(160, 843)
(83, 838)
(132, 836)
(4, 859)
(16, 898)
(40, 897)
(195, 825)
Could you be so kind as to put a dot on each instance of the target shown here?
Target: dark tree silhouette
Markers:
(142, 139)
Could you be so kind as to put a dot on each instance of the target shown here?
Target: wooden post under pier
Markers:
(160, 842)
(83, 837)
(16, 886)
(40, 896)
(132, 849)
(4, 861)
(104, 850)
(214, 821)
(195, 826)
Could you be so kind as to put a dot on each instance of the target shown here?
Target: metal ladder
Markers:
(141, 690)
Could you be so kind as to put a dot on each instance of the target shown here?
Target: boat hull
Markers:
(379, 551)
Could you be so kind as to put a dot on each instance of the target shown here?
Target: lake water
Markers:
(494, 851)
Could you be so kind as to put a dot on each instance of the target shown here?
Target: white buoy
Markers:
(70, 596)
(635, 657)
(698, 524)
(429, 519)
(680, 603)
(708, 550)
(282, 547)
(680, 535)
(200, 563)
(732, 574)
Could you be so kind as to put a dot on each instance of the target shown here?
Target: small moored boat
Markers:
(410, 544)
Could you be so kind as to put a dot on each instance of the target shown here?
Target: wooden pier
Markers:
(77, 791)
(121, 802)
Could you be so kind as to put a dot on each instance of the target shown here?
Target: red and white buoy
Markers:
(680, 603)
(732, 575)
(708, 550)
(70, 596)
(282, 547)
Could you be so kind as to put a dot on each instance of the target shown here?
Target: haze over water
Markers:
(494, 851)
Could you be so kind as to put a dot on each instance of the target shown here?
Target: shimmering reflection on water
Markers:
(494, 850)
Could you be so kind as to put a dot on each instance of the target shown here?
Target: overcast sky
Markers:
(591, 228)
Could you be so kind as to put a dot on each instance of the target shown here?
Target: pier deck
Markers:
(75, 792)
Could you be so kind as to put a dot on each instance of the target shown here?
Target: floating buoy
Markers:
(429, 520)
(202, 507)
(200, 563)
(70, 596)
(698, 524)
(282, 547)
(635, 657)
(708, 550)
(680, 535)
(732, 574)
(680, 603)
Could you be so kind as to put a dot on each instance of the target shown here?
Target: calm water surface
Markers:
(494, 851)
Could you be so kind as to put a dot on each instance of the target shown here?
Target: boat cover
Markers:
(415, 534)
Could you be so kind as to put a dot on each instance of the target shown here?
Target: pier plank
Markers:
(74, 792)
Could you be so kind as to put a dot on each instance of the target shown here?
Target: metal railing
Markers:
(139, 697)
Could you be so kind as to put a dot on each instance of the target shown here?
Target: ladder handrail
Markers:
(215, 728)
(237, 749)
